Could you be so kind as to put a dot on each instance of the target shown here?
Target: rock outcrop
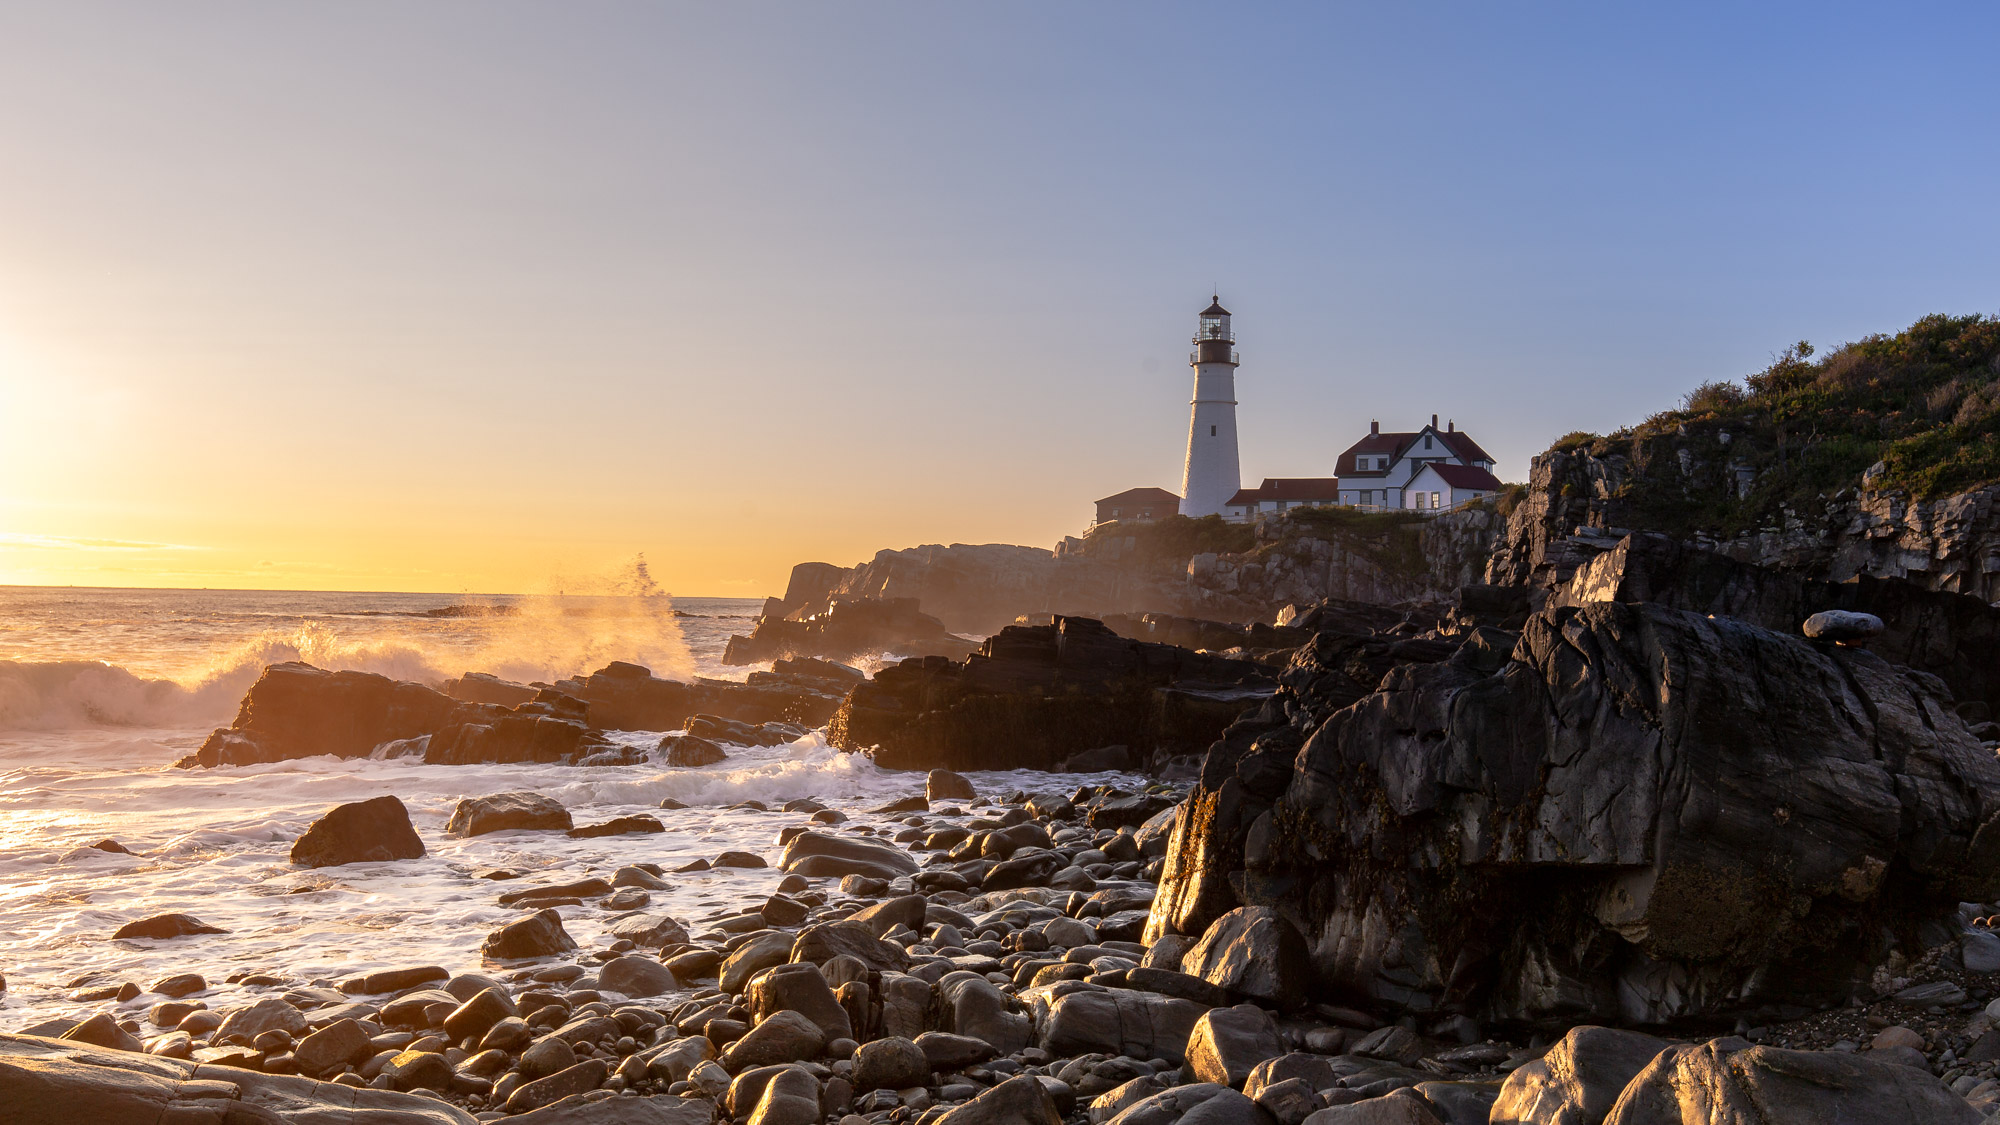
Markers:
(1035, 695)
(1249, 574)
(372, 831)
(1951, 636)
(1582, 499)
(50, 1082)
(846, 629)
(625, 696)
(1635, 814)
(295, 710)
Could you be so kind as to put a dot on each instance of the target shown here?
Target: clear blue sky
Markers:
(462, 295)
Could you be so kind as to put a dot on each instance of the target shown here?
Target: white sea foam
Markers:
(85, 747)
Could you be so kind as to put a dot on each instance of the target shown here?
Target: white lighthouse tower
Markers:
(1213, 474)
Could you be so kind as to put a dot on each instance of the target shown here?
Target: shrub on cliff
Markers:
(1924, 403)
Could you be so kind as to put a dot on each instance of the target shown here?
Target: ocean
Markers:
(100, 690)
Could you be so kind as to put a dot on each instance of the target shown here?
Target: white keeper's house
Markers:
(1429, 470)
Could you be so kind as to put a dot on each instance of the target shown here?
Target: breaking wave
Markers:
(544, 639)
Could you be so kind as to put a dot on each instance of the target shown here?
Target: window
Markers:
(1427, 441)
(1211, 431)
(1434, 499)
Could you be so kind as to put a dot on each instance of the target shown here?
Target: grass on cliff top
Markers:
(1180, 536)
(1924, 402)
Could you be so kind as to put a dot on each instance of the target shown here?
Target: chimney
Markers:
(1451, 427)
(1434, 421)
(1374, 428)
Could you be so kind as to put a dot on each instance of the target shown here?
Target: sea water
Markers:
(101, 690)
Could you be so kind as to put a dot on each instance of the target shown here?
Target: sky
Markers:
(496, 296)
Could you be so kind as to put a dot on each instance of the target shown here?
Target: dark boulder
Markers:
(45, 1082)
(295, 710)
(166, 926)
(818, 854)
(688, 750)
(1955, 637)
(944, 785)
(849, 628)
(372, 831)
(481, 687)
(540, 934)
(1730, 1080)
(1636, 814)
(1254, 953)
(620, 826)
(1034, 695)
(552, 727)
(507, 812)
(626, 696)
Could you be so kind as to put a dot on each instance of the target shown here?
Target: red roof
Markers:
(1142, 496)
(1394, 446)
(1462, 444)
(1464, 476)
(1301, 489)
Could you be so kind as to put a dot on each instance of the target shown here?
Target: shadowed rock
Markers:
(372, 831)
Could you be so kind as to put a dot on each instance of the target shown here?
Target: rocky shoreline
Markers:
(955, 958)
(1637, 847)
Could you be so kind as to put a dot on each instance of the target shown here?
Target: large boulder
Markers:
(823, 942)
(1227, 1043)
(1578, 1081)
(1021, 1100)
(295, 710)
(1034, 695)
(161, 926)
(849, 628)
(803, 989)
(818, 854)
(782, 1037)
(540, 934)
(689, 750)
(636, 976)
(1254, 953)
(969, 1004)
(1632, 814)
(1117, 1021)
(944, 785)
(762, 951)
(507, 812)
(891, 1063)
(372, 831)
(1728, 1081)
(46, 1082)
(625, 696)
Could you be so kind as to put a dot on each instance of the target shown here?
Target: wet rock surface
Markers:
(1033, 696)
(1561, 824)
(372, 831)
(1404, 887)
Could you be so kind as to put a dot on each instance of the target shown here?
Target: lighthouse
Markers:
(1213, 474)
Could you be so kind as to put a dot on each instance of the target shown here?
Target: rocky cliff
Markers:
(1624, 813)
(1880, 458)
(1191, 568)
(1583, 498)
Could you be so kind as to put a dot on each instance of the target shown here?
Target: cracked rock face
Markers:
(1640, 815)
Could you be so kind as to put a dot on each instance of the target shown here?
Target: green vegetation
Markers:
(1925, 403)
(1180, 536)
